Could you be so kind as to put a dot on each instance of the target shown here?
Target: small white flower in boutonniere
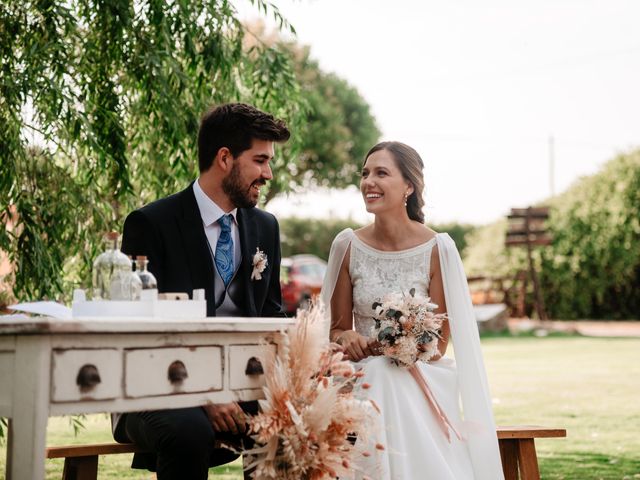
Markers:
(259, 264)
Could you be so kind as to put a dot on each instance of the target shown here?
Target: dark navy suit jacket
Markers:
(171, 234)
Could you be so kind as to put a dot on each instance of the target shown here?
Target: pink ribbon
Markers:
(441, 417)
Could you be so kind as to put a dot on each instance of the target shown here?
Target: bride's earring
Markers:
(406, 197)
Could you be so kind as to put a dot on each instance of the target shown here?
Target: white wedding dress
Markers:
(414, 444)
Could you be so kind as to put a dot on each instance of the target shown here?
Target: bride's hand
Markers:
(356, 347)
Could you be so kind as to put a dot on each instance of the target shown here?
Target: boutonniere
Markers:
(259, 264)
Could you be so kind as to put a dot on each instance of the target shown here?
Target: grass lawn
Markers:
(590, 386)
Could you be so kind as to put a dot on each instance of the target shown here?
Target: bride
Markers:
(397, 253)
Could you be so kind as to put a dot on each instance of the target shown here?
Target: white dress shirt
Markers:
(210, 213)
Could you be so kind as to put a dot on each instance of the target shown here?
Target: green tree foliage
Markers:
(592, 269)
(338, 128)
(303, 235)
(306, 235)
(338, 132)
(485, 253)
(459, 232)
(112, 92)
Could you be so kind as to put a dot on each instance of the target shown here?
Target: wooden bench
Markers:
(81, 461)
(517, 449)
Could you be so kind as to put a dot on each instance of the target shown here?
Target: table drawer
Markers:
(160, 371)
(6, 374)
(242, 358)
(85, 374)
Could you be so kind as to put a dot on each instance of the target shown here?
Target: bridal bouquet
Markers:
(308, 415)
(406, 327)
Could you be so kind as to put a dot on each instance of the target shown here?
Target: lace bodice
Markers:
(375, 273)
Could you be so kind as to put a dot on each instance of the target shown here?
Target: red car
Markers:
(301, 278)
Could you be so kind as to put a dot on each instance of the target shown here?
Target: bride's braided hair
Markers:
(411, 166)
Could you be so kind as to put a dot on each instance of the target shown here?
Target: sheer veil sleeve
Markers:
(472, 378)
(336, 256)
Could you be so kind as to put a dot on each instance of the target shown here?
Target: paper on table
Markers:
(50, 309)
(13, 317)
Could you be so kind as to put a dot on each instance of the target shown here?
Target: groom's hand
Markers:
(375, 347)
(226, 417)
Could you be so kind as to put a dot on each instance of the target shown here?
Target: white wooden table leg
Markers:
(30, 407)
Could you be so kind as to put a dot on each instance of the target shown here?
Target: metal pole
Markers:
(552, 165)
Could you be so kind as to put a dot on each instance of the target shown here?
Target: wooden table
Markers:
(57, 367)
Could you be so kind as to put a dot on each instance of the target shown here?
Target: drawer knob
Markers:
(88, 377)
(254, 367)
(177, 372)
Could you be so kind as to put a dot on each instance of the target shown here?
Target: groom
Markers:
(206, 237)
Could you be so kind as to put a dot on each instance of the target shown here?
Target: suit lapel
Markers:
(248, 245)
(197, 248)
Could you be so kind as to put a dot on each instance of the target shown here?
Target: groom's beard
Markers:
(239, 193)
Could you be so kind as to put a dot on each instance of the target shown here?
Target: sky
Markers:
(478, 88)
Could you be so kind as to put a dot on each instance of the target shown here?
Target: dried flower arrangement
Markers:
(310, 414)
(407, 327)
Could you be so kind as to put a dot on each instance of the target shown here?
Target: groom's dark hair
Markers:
(235, 126)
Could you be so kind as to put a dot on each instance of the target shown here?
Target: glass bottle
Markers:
(134, 284)
(147, 278)
(111, 265)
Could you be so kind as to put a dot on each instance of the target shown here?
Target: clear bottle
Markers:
(109, 268)
(135, 286)
(127, 287)
(147, 278)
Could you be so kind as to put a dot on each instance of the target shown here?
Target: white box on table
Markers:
(148, 306)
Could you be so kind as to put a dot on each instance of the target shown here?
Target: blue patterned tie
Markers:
(224, 250)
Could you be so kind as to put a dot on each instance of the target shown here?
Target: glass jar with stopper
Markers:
(110, 269)
(146, 277)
